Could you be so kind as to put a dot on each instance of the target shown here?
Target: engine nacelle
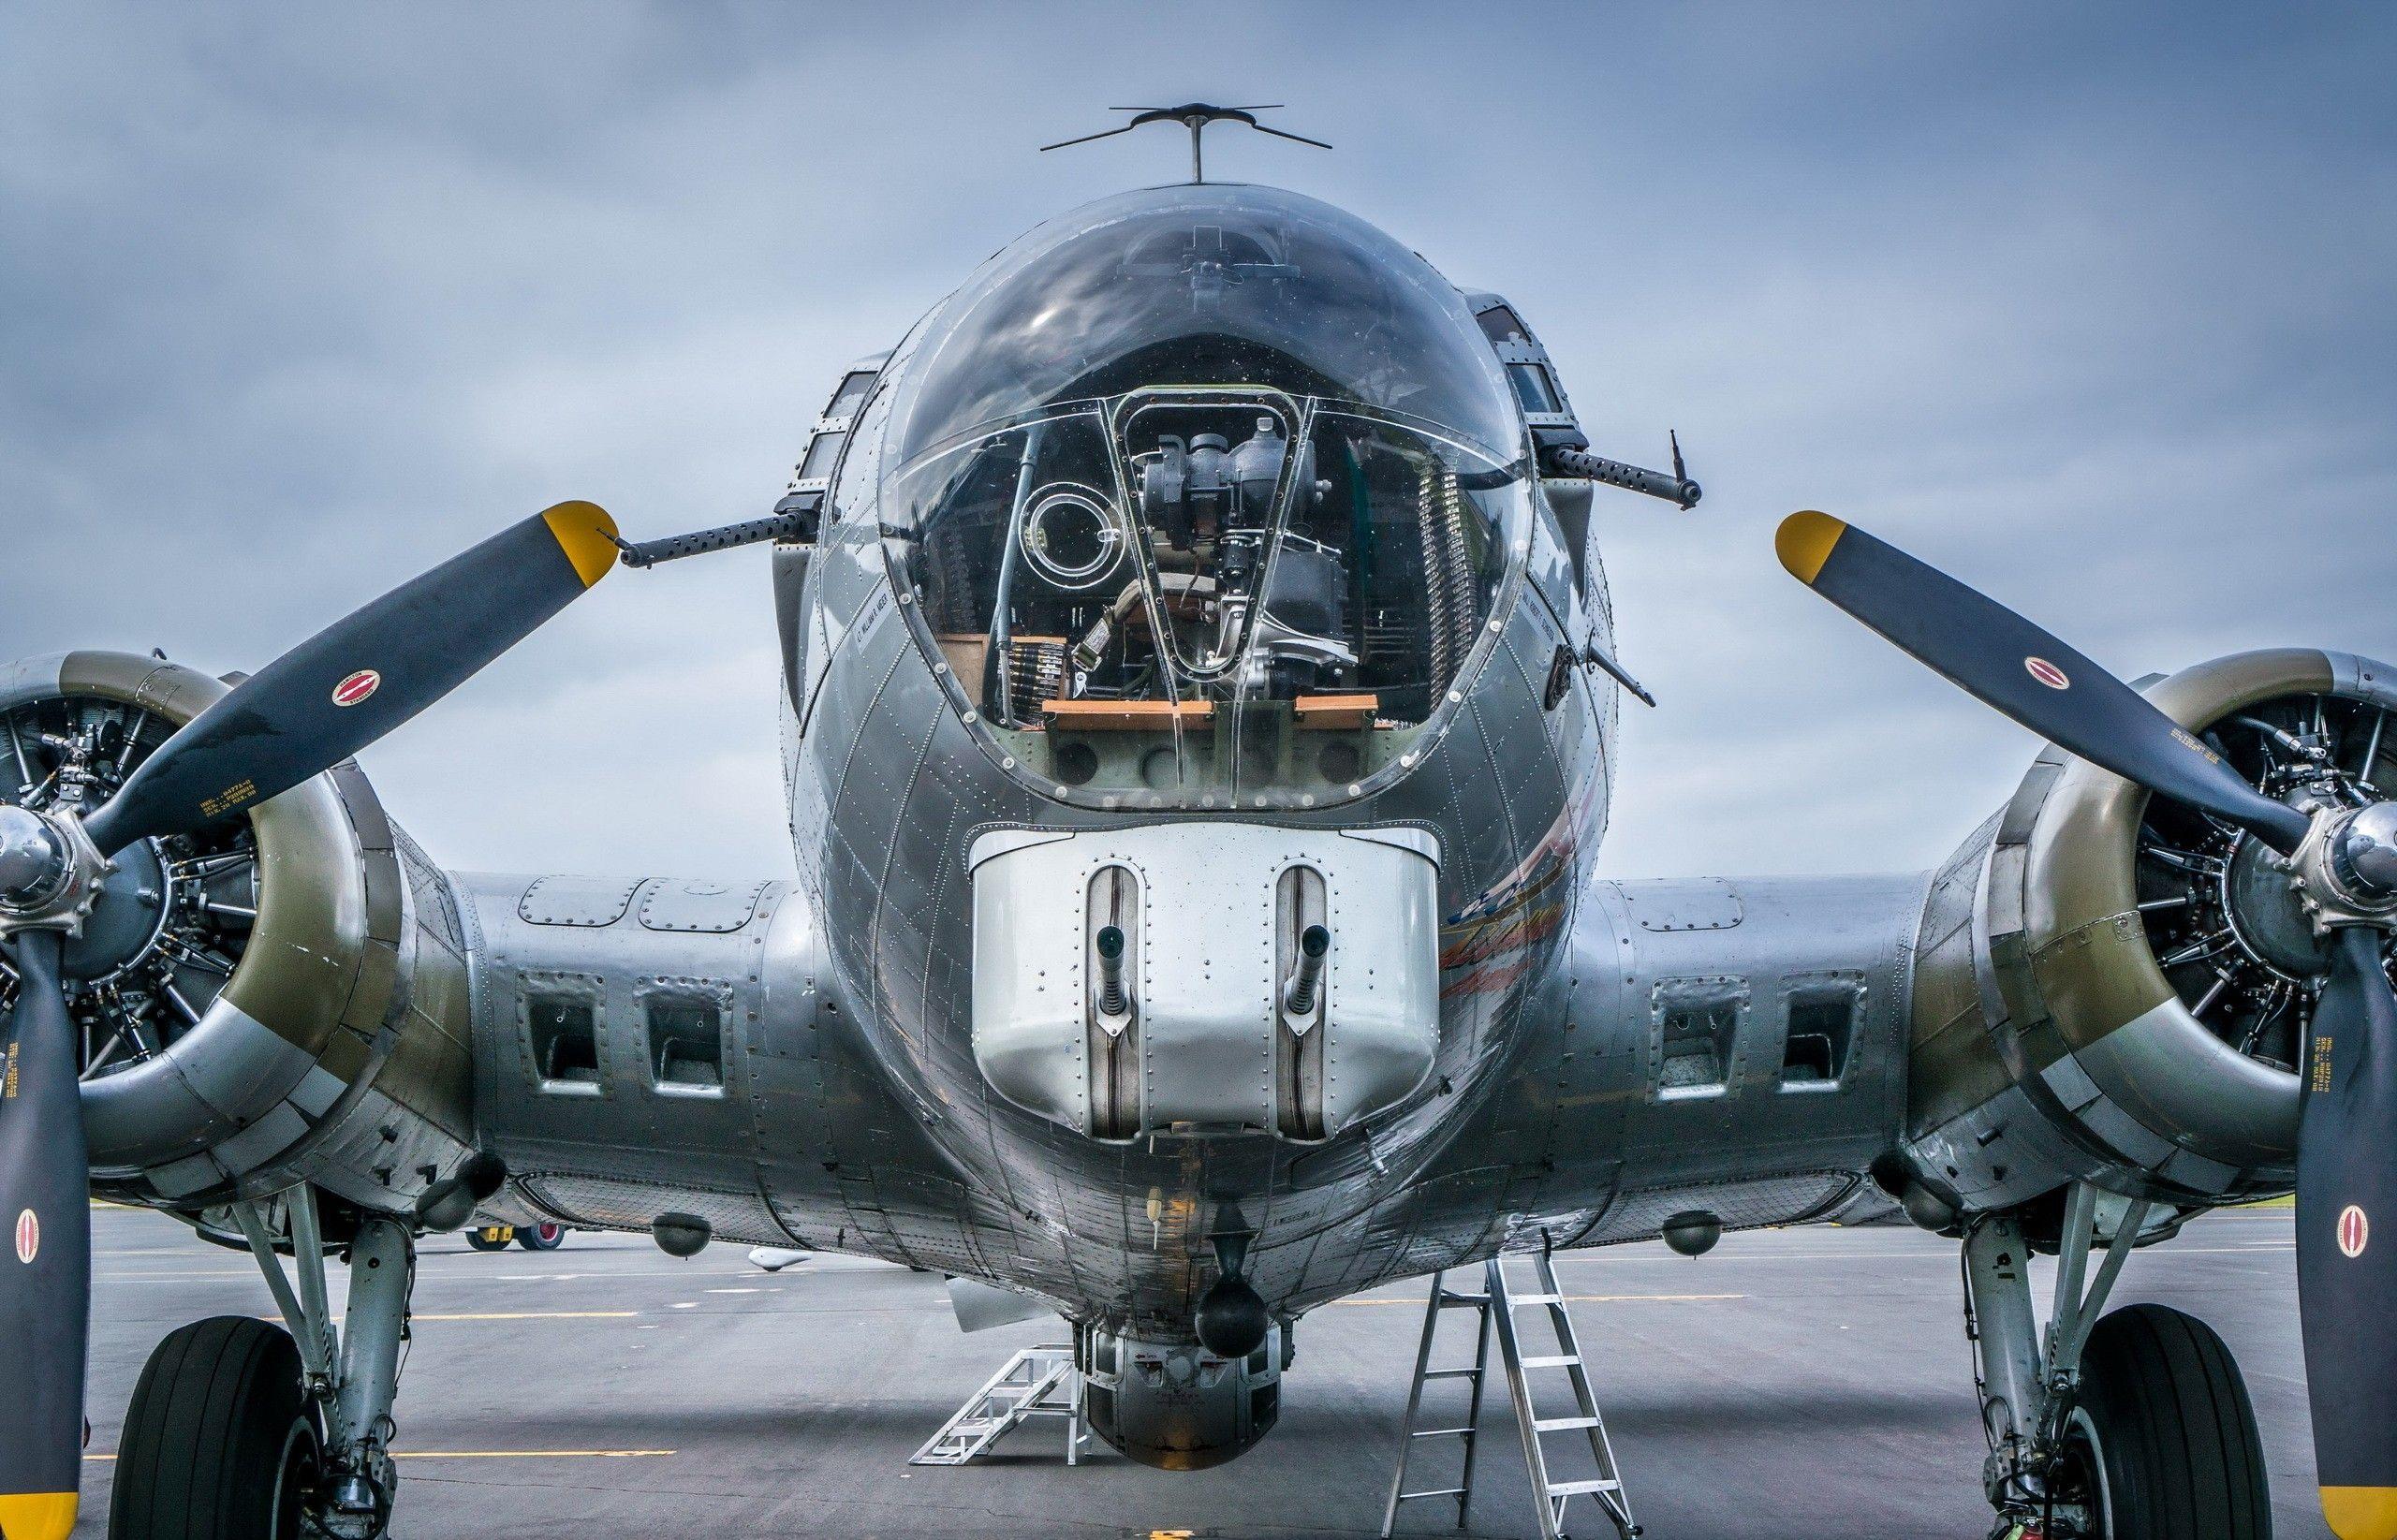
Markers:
(1174, 1405)
(276, 999)
(2108, 987)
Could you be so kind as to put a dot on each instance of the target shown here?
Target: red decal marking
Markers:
(357, 687)
(2047, 673)
(28, 1237)
(2355, 1231)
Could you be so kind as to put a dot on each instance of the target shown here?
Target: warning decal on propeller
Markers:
(28, 1237)
(2047, 673)
(357, 687)
(2354, 1230)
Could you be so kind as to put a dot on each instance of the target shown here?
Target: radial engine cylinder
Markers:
(2108, 987)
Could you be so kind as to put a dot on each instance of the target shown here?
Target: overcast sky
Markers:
(2092, 306)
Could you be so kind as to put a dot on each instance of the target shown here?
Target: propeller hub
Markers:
(2345, 870)
(49, 872)
(34, 863)
(2364, 858)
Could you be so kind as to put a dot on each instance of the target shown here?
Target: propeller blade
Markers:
(45, 1259)
(2009, 664)
(360, 677)
(2346, 1267)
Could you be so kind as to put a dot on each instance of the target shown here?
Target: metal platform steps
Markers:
(1038, 1381)
(1495, 1307)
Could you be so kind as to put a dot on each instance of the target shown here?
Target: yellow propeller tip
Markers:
(1804, 543)
(587, 536)
(37, 1515)
(2360, 1513)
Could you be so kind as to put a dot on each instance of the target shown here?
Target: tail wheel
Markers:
(218, 1441)
(541, 1237)
(2162, 1444)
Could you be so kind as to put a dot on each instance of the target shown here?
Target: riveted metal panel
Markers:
(673, 903)
(578, 900)
(1699, 904)
(1203, 973)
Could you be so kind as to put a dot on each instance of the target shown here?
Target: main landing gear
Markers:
(532, 1237)
(239, 1428)
(2133, 1426)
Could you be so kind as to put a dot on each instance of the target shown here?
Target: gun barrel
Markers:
(1678, 490)
(1111, 1000)
(1306, 979)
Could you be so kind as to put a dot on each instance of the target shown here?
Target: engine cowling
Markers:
(277, 998)
(2105, 985)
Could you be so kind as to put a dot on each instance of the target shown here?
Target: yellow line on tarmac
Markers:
(532, 1453)
(1579, 1299)
(536, 1316)
(498, 1454)
(505, 1315)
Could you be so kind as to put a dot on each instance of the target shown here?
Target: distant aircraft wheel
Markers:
(541, 1237)
(218, 1441)
(492, 1238)
(2162, 1444)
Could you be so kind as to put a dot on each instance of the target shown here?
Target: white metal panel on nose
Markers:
(1206, 1002)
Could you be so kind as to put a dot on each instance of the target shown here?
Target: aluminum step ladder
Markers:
(1496, 1308)
(1038, 1381)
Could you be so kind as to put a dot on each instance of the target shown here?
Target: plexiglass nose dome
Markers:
(1208, 494)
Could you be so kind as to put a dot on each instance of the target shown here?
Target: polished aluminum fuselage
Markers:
(1533, 1116)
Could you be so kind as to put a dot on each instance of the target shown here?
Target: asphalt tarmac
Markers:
(1794, 1384)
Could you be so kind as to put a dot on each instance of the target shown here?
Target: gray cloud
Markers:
(2091, 307)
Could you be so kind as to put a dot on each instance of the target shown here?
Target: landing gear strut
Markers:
(241, 1428)
(2133, 1426)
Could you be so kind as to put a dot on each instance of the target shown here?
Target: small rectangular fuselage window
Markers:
(1534, 388)
(1695, 1052)
(851, 395)
(1822, 1025)
(685, 1044)
(821, 455)
(566, 1038)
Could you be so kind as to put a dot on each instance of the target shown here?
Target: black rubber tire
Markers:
(541, 1237)
(212, 1423)
(482, 1242)
(2175, 1431)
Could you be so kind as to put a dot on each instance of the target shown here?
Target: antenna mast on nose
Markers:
(1194, 116)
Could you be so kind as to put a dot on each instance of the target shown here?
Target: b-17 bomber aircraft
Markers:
(1199, 703)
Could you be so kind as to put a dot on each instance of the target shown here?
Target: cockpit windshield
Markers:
(1206, 500)
(1205, 284)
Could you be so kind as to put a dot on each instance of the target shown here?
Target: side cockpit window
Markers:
(855, 387)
